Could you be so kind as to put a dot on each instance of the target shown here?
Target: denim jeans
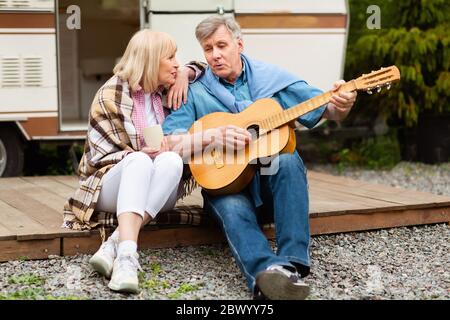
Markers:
(285, 194)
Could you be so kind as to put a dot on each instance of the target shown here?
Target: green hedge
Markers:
(414, 36)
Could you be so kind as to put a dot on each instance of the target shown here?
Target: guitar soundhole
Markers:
(254, 131)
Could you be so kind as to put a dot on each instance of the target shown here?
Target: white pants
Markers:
(141, 185)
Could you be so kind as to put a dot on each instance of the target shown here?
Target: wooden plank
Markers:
(413, 197)
(35, 249)
(404, 196)
(153, 239)
(81, 245)
(51, 185)
(150, 238)
(179, 237)
(70, 181)
(51, 200)
(320, 205)
(6, 234)
(347, 202)
(360, 192)
(18, 222)
(344, 181)
(11, 183)
(391, 200)
(40, 194)
(378, 220)
(49, 220)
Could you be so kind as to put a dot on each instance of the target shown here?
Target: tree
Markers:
(414, 36)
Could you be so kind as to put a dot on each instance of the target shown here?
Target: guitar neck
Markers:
(293, 113)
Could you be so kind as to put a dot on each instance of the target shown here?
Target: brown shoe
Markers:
(278, 283)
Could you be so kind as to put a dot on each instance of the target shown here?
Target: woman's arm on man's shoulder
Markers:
(178, 93)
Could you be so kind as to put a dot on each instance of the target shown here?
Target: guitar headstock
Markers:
(378, 79)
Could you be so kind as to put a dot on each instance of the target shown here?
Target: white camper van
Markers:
(54, 55)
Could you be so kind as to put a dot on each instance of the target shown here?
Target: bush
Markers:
(51, 159)
(414, 36)
(381, 152)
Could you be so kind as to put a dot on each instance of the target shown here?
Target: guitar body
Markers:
(225, 173)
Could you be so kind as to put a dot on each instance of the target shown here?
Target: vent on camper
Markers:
(10, 72)
(46, 5)
(16, 72)
(32, 72)
(15, 4)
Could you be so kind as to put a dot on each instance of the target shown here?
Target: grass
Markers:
(27, 279)
(153, 285)
(155, 268)
(24, 294)
(36, 294)
(49, 297)
(183, 289)
(34, 290)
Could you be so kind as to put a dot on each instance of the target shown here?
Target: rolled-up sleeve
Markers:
(198, 68)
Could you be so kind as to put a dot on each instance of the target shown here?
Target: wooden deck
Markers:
(30, 215)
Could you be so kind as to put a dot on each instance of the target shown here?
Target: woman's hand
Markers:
(152, 153)
(178, 92)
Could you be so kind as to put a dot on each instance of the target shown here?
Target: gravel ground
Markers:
(399, 263)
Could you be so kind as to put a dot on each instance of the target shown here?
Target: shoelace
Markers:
(291, 275)
(128, 263)
(109, 247)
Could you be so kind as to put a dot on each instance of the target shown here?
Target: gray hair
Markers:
(210, 25)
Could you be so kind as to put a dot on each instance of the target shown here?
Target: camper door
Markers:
(89, 48)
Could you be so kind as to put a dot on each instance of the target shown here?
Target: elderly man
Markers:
(230, 84)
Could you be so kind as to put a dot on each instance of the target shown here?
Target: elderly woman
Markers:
(119, 174)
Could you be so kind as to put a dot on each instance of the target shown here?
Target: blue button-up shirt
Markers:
(201, 102)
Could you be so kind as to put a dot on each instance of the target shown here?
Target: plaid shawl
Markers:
(111, 136)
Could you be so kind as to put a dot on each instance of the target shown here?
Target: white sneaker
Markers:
(279, 283)
(125, 277)
(103, 260)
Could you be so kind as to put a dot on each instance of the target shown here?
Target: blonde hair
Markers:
(208, 26)
(139, 65)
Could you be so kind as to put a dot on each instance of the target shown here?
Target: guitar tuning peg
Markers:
(388, 86)
(378, 89)
(369, 91)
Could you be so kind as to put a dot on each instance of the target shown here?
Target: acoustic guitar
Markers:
(272, 128)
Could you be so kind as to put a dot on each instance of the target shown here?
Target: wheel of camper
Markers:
(11, 152)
